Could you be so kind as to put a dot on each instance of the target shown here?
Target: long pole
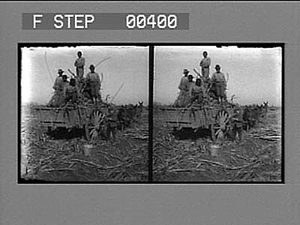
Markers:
(117, 93)
(101, 79)
(70, 71)
(198, 73)
(48, 67)
(101, 61)
(227, 74)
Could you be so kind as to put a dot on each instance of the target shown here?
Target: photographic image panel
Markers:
(83, 113)
(217, 114)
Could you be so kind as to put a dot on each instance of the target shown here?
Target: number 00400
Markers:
(160, 21)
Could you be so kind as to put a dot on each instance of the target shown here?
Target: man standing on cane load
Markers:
(197, 92)
(59, 84)
(219, 81)
(184, 80)
(184, 87)
(93, 80)
(205, 64)
(71, 92)
(79, 64)
(58, 79)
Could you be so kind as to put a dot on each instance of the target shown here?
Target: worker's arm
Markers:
(65, 91)
(55, 84)
(225, 82)
(201, 63)
(213, 78)
(191, 90)
(197, 72)
(208, 61)
(87, 77)
(70, 71)
(180, 87)
(98, 78)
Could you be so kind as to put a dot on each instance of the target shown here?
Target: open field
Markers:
(44, 158)
(257, 158)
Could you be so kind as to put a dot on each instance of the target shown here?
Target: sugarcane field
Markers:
(217, 119)
(206, 135)
(88, 132)
(192, 155)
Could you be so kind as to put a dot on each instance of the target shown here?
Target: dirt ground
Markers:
(45, 159)
(257, 158)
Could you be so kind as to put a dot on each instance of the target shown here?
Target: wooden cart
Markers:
(76, 116)
(215, 118)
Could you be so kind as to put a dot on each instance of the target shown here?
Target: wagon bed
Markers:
(77, 116)
(195, 117)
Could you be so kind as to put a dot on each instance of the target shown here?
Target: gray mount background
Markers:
(153, 204)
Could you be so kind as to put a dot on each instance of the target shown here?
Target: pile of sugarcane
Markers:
(268, 134)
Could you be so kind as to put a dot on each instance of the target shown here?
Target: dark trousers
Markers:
(197, 97)
(71, 96)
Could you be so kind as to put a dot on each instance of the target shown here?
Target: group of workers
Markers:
(65, 91)
(204, 87)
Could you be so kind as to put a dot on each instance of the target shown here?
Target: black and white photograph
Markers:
(83, 113)
(217, 114)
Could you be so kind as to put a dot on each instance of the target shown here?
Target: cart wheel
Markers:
(221, 121)
(97, 119)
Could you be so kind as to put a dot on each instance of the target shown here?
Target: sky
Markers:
(127, 68)
(255, 74)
